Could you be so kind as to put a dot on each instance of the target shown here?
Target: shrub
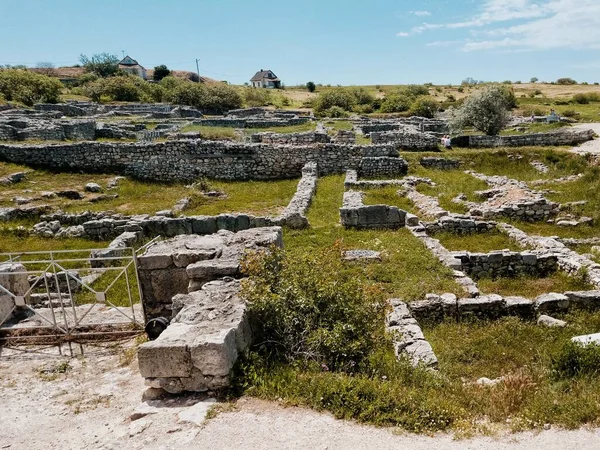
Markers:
(414, 90)
(362, 96)
(424, 107)
(310, 309)
(487, 110)
(582, 99)
(537, 92)
(310, 86)
(534, 80)
(461, 89)
(28, 87)
(211, 98)
(575, 360)
(102, 64)
(363, 109)
(257, 97)
(570, 113)
(396, 102)
(342, 98)
(160, 72)
(451, 98)
(124, 88)
(566, 81)
(86, 78)
(335, 112)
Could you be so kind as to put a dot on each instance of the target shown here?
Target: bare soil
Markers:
(54, 402)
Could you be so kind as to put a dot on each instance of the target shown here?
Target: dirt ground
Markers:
(95, 402)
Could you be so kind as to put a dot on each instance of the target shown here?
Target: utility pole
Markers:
(197, 68)
(123, 51)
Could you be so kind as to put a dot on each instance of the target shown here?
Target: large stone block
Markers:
(551, 303)
(13, 278)
(489, 306)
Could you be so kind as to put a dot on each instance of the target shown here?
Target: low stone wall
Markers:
(459, 224)
(507, 264)
(190, 160)
(382, 166)
(345, 137)
(557, 138)
(355, 214)
(440, 163)
(24, 129)
(294, 214)
(307, 138)
(406, 140)
(408, 337)
(250, 122)
(436, 308)
(199, 348)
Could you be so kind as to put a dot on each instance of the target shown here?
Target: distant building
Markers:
(131, 66)
(265, 79)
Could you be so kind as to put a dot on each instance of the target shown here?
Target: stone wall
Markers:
(345, 137)
(459, 224)
(507, 264)
(252, 122)
(294, 215)
(24, 129)
(190, 160)
(440, 163)
(406, 140)
(382, 166)
(436, 308)
(13, 278)
(307, 138)
(557, 138)
(355, 214)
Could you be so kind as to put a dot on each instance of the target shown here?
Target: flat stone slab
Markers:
(362, 255)
(587, 339)
(552, 302)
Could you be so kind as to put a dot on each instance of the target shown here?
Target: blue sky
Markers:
(327, 41)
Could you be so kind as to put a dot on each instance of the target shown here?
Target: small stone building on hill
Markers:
(130, 65)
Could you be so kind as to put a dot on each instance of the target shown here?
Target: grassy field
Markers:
(531, 287)
(139, 197)
(477, 242)
(387, 195)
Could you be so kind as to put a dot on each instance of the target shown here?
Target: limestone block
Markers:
(549, 303)
(489, 306)
(14, 279)
(519, 306)
(551, 322)
(584, 299)
(169, 355)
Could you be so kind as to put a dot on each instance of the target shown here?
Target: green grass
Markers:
(212, 133)
(477, 242)
(303, 127)
(585, 113)
(140, 197)
(531, 287)
(408, 269)
(536, 128)
(339, 124)
(391, 393)
(12, 242)
(387, 195)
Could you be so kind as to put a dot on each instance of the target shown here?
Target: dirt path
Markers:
(590, 147)
(89, 404)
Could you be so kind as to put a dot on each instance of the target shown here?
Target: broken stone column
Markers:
(13, 278)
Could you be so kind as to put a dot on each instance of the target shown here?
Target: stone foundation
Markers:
(355, 214)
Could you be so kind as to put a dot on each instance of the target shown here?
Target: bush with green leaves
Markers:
(209, 98)
(424, 107)
(102, 64)
(566, 81)
(396, 102)
(28, 87)
(342, 98)
(576, 360)
(254, 97)
(124, 88)
(310, 308)
(487, 110)
(310, 86)
(160, 72)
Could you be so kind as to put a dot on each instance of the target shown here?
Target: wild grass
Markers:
(339, 124)
(212, 133)
(387, 195)
(536, 128)
(531, 287)
(303, 127)
(408, 269)
(477, 242)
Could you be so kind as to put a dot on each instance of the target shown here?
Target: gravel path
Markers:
(91, 406)
(590, 147)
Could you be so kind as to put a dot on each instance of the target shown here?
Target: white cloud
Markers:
(403, 34)
(533, 25)
(420, 13)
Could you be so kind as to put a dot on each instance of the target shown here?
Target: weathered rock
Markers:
(13, 278)
(92, 187)
(551, 303)
(551, 322)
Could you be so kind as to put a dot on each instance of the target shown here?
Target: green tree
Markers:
(487, 110)
(424, 107)
(160, 72)
(102, 64)
(311, 87)
(28, 87)
(534, 80)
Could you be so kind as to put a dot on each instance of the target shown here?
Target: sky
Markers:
(333, 42)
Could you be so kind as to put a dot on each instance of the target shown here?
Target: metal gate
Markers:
(70, 295)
